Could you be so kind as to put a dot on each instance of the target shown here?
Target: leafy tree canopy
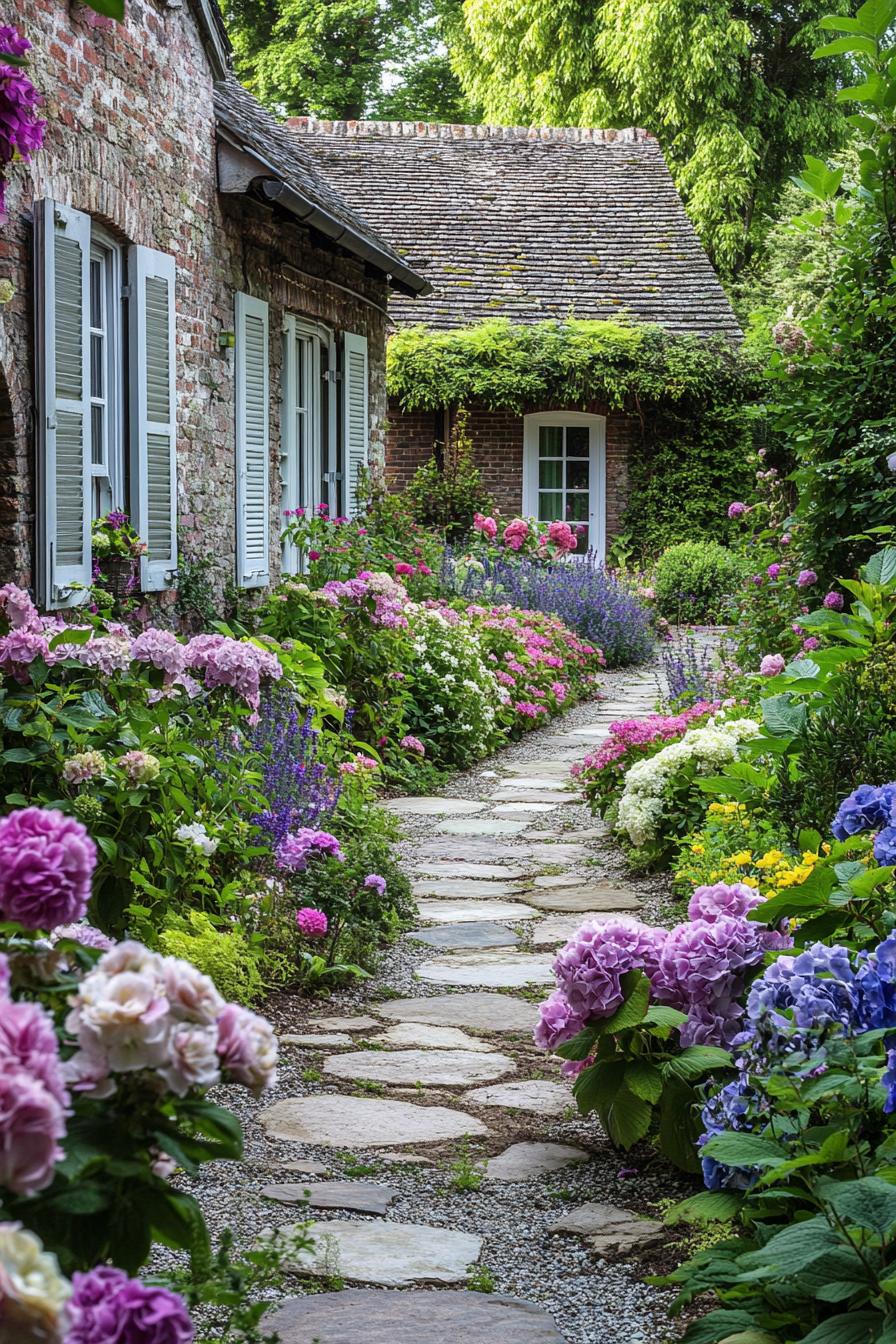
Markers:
(348, 58)
(729, 87)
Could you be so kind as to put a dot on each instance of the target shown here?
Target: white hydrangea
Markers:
(643, 804)
(196, 834)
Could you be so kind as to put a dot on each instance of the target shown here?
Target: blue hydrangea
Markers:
(867, 808)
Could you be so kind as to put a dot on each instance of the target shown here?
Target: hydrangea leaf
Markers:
(709, 1206)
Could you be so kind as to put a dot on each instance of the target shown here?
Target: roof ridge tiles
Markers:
(434, 130)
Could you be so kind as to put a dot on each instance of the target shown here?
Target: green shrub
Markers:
(447, 490)
(695, 580)
(226, 957)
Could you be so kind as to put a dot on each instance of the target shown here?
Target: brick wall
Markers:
(498, 451)
(130, 140)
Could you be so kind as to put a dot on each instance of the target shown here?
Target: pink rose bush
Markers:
(602, 773)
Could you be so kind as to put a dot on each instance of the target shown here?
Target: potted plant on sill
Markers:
(117, 549)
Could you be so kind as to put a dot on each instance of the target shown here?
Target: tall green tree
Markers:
(729, 87)
(348, 58)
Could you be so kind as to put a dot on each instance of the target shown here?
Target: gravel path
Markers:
(592, 1300)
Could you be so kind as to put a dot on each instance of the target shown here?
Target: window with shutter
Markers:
(355, 417)
(153, 415)
(62, 269)
(252, 443)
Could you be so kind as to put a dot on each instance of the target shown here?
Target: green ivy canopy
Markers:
(500, 365)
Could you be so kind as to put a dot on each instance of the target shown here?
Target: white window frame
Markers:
(597, 433)
(306, 460)
(108, 478)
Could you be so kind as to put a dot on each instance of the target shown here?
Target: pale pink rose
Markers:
(191, 995)
(192, 1058)
(247, 1047)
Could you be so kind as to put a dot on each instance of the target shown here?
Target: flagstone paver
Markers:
(497, 970)
(458, 868)
(359, 1023)
(523, 1161)
(436, 806)
(425, 1036)
(479, 1012)
(481, 826)
(555, 930)
(521, 810)
(394, 1255)
(443, 911)
(533, 1094)
(355, 1196)
(611, 1231)
(438, 1068)
(319, 1041)
(465, 936)
(559, 900)
(467, 888)
(330, 1121)
(411, 1317)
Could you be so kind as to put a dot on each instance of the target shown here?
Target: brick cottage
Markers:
(528, 224)
(197, 322)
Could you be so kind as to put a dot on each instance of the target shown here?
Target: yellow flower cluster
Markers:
(768, 872)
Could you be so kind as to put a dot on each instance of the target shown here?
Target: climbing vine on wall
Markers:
(690, 397)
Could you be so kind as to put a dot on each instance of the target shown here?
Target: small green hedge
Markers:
(694, 581)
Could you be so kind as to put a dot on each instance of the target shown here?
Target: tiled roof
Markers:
(525, 223)
(289, 161)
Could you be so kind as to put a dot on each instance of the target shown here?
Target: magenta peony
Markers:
(312, 923)
(46, 866)
(486, 525)
(106, 1307)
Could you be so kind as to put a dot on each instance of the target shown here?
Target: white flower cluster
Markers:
(32, 1290)
(453, 679)
(643, 800)
(196, 834)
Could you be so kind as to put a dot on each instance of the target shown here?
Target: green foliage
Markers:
(689, 396)
(447, 490)
(731, 91)
(328, 57)
(641, 1081)
(228, 958)
(695, 581)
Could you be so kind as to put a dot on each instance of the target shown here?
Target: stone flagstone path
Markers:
(436, 1094)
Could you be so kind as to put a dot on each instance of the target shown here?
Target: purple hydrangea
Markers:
(806, 578)
(590, 967)
(833, 601)
(46, 866)
(374, 882)
(773, 571)
(735, 899)
(772, 665)
(298, 846)
(737, 509)
(556, 1022)
(106, 1307)
(162, 649)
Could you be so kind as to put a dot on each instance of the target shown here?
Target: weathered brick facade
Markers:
(497, 438)
(131, 141)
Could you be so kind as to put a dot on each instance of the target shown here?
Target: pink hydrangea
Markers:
(18, 608)
(806, 578)
(247, 1047)
(515, 534)
(46, 867)
(563, 537)
(161, 649)
(298, 846)
(236, 663)
(410, 743)
(85, 934)
(772, 665)
(312, 923)
(19, 649)
(737, 509)
(404, 569)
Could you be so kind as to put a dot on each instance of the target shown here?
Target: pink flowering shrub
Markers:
(602, 773)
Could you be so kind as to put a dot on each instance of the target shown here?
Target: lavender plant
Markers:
(299, 787)
(580, 592)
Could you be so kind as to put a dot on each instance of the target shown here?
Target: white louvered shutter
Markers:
(153, 412)
(62, 287)
(355, 416)
(252, 452)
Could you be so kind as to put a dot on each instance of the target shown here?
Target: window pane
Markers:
(577, 474)
(96, 366)
(582, 542)
(550, 475)
(96, 294)
(97, 435)
(577, 508)
(576, 440)
(550, 441)
(550, 505)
